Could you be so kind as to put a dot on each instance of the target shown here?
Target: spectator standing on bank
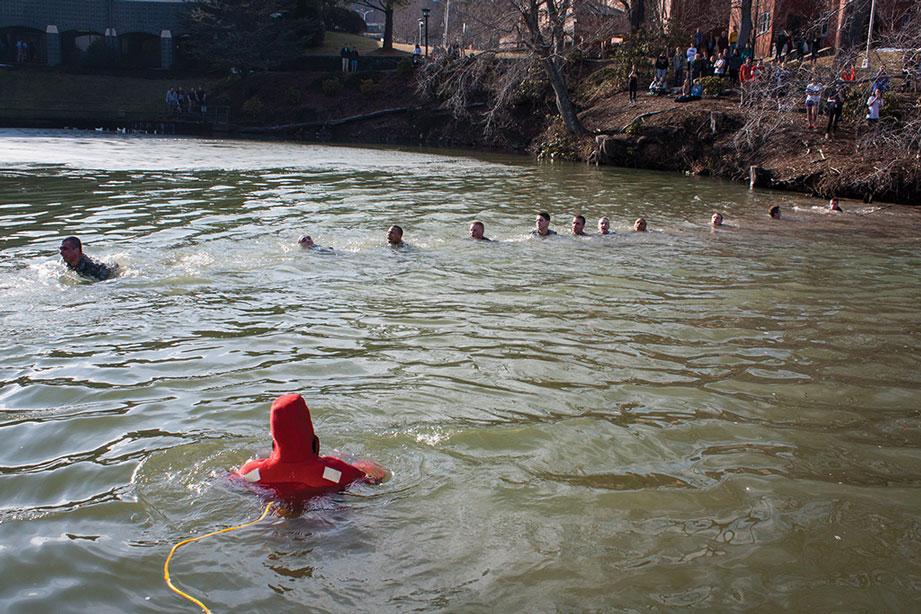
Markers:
(814, 45)
(780, 46)
(735, 63)
(722, 43)
(834, 107)
(720, 66)
(874, 103)
(813, 98)
(353, 59)
(345, 55)
(699, 66)
(661, 65)
(746, 78)
(417, 55)
(678, 62)
(691, 55)
(632, 84)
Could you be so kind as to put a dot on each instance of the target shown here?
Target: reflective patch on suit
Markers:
(332, 475)
(252, 476)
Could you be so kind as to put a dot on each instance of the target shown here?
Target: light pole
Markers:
(419, 35)
(425, 19)
(870, 32)
(447, 18)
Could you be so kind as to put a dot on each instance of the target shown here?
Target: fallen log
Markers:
(326, 124)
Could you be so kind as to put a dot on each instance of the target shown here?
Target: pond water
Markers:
(683, 418)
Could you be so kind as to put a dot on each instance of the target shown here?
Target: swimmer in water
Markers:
(72, 252)
(774, 212)
(604, 226)
(578, 226)
(306, 242)
(639, 225)
(476, 231)
(395, 236)
(834, 206)
(716, 219)
(542, 225)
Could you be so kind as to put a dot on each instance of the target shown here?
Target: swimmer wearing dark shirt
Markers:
(72, 253)
(542, 223)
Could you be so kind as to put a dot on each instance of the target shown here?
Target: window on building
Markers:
(764, 22)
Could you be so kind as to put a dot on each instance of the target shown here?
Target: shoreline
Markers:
(371, 109)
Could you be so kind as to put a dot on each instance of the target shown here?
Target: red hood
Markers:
(292, 431)
(295, 462)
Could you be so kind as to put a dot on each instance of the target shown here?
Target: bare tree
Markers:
(544, 23)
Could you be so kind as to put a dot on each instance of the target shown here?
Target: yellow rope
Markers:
(166, 577)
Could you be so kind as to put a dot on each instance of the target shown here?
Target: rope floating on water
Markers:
(173, 550)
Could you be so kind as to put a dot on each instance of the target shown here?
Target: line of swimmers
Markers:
(72, 249)
(477, 230)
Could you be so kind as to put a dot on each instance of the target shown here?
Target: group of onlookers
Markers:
(349, 57)
(21, 51)
(193, 100)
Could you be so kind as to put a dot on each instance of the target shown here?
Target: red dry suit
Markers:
(295, 463)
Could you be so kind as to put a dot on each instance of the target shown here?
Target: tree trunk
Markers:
(637, 14)
(388, 28)
(563, 101)
(745, 27)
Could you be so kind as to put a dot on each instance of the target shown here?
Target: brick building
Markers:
(837, 23)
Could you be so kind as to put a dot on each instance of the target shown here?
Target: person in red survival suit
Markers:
(295, 464)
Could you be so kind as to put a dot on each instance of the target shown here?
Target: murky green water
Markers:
(680, 419)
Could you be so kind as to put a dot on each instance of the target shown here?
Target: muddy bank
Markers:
(702, 138)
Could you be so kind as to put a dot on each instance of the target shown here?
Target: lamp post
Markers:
(425, 19)
(447, 19)
(870, 33)
(419, 35)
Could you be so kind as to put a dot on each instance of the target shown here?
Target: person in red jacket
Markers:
(295, 464)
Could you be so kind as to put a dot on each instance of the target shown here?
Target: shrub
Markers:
(404, 67)
(332, 87)
(713, 86)
(367, 87)
(254, 107)
(294, 96)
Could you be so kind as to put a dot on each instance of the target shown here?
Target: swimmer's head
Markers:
(542, 222)
(639, 225)
(305, 241)
(578, 225)
(774, 212)
(833, 205)
(394, 235)
(476, 230)
(71, 250)
(604, 225)
(716, 219)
